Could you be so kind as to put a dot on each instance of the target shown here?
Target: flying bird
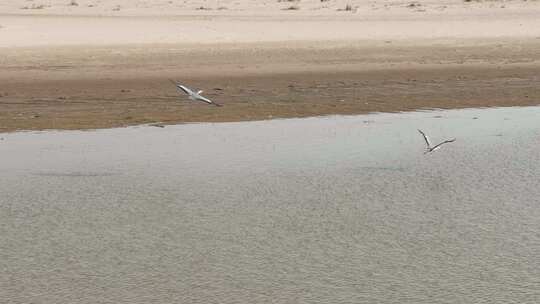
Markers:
(430, 148)
(195, 96)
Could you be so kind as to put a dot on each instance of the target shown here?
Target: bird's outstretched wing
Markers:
(208, 101)
(425, 138)
(181, 87)
(444, 142)
(185, 89)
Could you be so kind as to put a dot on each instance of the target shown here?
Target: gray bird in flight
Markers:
(430, 148)
(195, 96)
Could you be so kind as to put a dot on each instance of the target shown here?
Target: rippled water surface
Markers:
(317, 210)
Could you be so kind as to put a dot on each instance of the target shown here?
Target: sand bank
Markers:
(95, 65)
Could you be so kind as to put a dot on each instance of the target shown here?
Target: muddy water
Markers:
(318, 210)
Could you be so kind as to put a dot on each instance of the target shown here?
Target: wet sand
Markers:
(73, 87)
(98, 64)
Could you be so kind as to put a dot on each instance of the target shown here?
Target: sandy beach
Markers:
(95, 64)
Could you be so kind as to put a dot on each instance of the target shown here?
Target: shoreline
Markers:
(103, 87)
(160, 124)
(72, 104)
(382, 57)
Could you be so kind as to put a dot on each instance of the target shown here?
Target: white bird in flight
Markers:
(429, 148)
(196, 96)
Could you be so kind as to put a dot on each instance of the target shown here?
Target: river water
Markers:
(341, 209)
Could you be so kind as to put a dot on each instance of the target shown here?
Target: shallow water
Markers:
(317, 210)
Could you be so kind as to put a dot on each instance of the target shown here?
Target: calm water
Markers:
(318, 210)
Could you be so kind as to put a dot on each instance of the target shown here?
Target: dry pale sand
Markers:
(95, 64)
